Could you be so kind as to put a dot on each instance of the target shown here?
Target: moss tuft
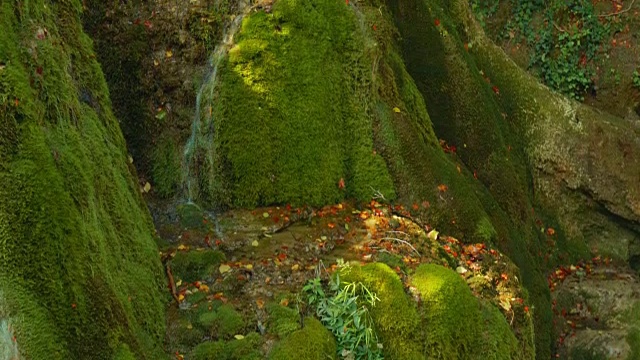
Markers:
(243, 349)
(282, 320)
(312, 342)
(191, 266)
(456, 325)
(395, 316)
(223, 323)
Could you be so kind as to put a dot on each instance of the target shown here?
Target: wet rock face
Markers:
(597, 316)
(587, 166)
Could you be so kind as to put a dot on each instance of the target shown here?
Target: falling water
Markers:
(203, 115)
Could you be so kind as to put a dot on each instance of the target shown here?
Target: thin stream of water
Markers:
(204, 119)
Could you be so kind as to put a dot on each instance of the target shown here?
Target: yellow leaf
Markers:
(147, 187)
(182, 247)
(180, 297)
(224, 268)
(189, 326)
(239, 337)
(179, 283)
(295, 267)
(130, 160)
(168, 53)
(255, 243)
(249, 267)
(433, 235)
(396, 110)
(204, 288)
(156, 62)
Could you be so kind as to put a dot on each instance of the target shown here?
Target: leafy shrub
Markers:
(348, 320)
(636, 79)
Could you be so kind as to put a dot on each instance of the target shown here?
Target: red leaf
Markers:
(437, 22)
(341, 184)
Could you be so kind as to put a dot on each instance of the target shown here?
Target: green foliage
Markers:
(191, 266)
(636, 79)
(484, 9)
(79, 273)
(396, 319)
(345, 315)
(312, 342)
(243, 349)
(566, 37)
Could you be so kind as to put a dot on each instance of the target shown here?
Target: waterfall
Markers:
(203, 115)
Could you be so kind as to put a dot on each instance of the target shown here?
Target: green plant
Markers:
(349, 321)
(484, 9)
(636, 79)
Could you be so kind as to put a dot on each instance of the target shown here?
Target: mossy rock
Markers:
(238, 349)
(456, 325)
(191, 266)
(312, 342)
(395, 316)
(282, 320)
(191, 215)
(79, 270)
(223, 322)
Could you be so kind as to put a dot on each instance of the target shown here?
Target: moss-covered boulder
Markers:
(247, 348)
(456, 325)
(395, 316)
(196, 265)
(80, 276)
(312, 342)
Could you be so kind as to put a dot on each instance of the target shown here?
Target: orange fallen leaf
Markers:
(443, 187)
(284, 302)
(260, 303)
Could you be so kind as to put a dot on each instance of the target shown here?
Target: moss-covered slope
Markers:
(79, 272)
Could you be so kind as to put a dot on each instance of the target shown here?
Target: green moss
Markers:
(633, 338)
(79, 273)
(124, 353)
(312, 342)
(243, 349)
(191, 266)
(166, 168)
(395, 316)
(282, 320)
(223, 323)
(456, 325)
(290, 116)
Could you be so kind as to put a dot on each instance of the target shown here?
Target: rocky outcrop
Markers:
(79, 272)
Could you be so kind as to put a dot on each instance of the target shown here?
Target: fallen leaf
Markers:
(284, 302)
(249, 266)
(295, 267)
(179, 283)
(224, 268)
(443, 187)
(168, 53)
(396, 110)
(433, 235)
(255, 243)
(265, 215)
(204, 288)
(239, 337)
(180, 297)
(341, 183)
(182, 247)
(147, 187)
(260, 303)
